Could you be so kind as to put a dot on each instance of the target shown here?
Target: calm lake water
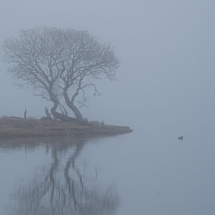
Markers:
(123, 175)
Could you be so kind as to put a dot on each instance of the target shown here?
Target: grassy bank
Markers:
(14, 127)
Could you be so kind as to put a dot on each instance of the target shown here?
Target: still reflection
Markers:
(63, 187)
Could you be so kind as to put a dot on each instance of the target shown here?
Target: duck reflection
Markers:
(64, 187)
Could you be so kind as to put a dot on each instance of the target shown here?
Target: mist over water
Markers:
(164, 90)
(132, 173)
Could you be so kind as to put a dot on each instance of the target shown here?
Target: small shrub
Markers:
(97, 123)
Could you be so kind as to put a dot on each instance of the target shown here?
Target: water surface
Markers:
(126, 174)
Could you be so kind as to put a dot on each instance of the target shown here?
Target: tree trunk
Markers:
(60, 116)
(25, 113)
(48, 115)
(73, 107)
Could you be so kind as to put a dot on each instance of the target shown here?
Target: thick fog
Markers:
(164, 89)
(166, 48)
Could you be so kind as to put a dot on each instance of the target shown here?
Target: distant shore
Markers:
(15, 127)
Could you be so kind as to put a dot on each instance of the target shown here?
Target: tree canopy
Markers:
(59, 63)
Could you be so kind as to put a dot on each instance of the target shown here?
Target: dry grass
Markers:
(26, 123)
(94, 123)
(13, 127)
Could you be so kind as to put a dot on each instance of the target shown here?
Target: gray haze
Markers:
(167, 59)
(165, 85)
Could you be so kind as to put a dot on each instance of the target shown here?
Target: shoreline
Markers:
(11, 128)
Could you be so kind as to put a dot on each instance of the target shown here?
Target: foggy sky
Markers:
(165, 89)
(166, 48)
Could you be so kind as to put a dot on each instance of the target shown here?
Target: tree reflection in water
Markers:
(64, 188)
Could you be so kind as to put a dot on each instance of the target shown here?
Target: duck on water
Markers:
(180, 138)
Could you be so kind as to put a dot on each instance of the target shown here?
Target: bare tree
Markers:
(59, 63)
